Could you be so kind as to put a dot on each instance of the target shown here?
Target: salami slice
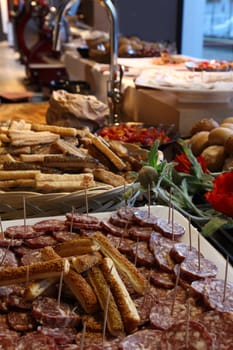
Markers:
(6, 343)
(117, 220)
(48, 312)
(162, 279)
(60, 335)
(182, 336)
(21, 232)
(64, 236)
(190, 268)
(182, 250)
(114, 230)
(21, 321)
(82, 218)
(36, 340)
(122, 244)
(9, 242)
(169, 229)
(49, 225)
(141, 254)
(7, 258)
(140, 233)
(149, 339)
(32, 256)
(41, 241)
(145, 218)
(163, 258)
(220, 325)
(212, 291)
(127, 213)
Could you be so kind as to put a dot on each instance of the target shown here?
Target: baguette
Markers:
(138, 281)
(21, 183)
(124, 302)
(40, 270)
(104, 295)
(18, 174)
(77, 246)
(29, 138)
(76, 283)
(100, 145)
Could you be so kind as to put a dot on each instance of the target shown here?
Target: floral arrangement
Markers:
(187, 185)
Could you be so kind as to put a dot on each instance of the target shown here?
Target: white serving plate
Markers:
(162, 211)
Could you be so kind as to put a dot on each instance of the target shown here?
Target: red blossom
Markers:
(184, 165)
(221, 196)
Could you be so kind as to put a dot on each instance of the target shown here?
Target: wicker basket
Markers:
(98, 199)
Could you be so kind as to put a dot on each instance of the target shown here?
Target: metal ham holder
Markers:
(114, 83)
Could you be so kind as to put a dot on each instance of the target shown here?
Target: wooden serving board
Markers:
(34, 112)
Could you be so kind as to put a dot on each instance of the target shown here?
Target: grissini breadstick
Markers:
(76, 283)
(35, 289)
(138, 281)
(102, 290)
(124, 302)
(40, 270)
(77, 246)
(82, 263)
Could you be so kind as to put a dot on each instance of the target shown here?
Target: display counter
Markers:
(152, 106)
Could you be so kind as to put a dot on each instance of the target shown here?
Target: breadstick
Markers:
(77, 246)
(40, 270)
(137, 280)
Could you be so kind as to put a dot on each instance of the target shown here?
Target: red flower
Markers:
(221, 197)
(184, 165)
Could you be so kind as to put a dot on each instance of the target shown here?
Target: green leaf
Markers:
(213, 225)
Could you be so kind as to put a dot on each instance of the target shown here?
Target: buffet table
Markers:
(152, 106)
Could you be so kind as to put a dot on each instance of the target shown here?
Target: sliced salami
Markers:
(145, 218)
(220, 325)
(191, 335)
(122, 244)
(48, 312)
(117, 220)
(149, 339)
(32, 256)
(64, 236)
(140, 233)
(6, 343)
(36, 340)
(163, 258)
(21, 321)
(182, 250)
(169, 229)
(49, 225)
(41, 242)
(162, 279)
(82, 218)
(60, 335)
(7, 258)
(21, 232)
(9, 242)
(212, 291)
(114, 230)
(141, 254)
(156, 239)
(193, 268)
(127, 213)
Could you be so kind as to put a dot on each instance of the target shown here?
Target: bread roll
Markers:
(204, 125)
(227, 125)
(227, 120)
(228, 146)
(199, 142)
(219, 136)
(214, 156)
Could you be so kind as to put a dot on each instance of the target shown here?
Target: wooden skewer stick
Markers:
(106, 314)
(190, 235)
(72, 220)
(1, 228)
(24, 212)
(225, 280)
(172, 222)
(86, 202)
(149, 199)
(169, 205)
(6, 251)
(136, 255)
(187, 326)
(175, 290)
(60, 288)
(82, 341)
(199, 251)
